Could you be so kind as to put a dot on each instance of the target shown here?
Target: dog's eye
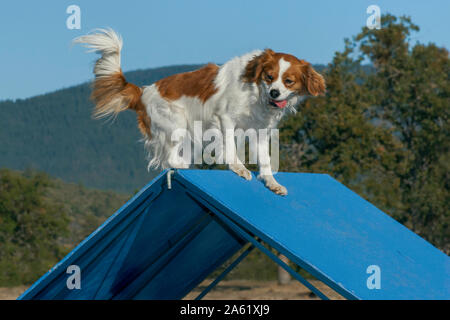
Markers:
(288, 82)
(269, 77)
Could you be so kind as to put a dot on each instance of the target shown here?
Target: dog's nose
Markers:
(274, 93)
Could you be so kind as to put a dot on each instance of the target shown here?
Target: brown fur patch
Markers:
(113, 94)
(198, 83)
(262, 65)
(144, 122)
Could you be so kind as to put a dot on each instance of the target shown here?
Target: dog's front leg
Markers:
(230, 156)
(265, 169)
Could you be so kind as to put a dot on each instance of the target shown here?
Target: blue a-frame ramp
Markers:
(169, 237)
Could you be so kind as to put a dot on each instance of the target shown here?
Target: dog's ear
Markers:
(255, 66)
(313, 81)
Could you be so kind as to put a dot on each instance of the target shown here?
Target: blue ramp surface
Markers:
(164, 242)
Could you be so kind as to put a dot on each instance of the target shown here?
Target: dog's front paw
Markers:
(241, 171)
(277, 188)
(273, 185)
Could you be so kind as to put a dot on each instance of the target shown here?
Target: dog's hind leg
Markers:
(179, 147)
(176, 160)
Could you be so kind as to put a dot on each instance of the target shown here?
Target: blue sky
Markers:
(36, 55)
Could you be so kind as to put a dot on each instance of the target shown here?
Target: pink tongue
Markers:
(281, 104)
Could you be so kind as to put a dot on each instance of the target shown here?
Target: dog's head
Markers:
(283, 78)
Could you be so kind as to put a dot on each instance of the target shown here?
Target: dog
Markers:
(254, 91)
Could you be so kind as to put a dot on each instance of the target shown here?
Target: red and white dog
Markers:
(251, 91)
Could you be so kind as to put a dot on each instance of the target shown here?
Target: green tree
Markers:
(382, 129)
(30, 228)
(412, 87)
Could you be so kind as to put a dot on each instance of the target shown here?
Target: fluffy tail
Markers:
(111, 92)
